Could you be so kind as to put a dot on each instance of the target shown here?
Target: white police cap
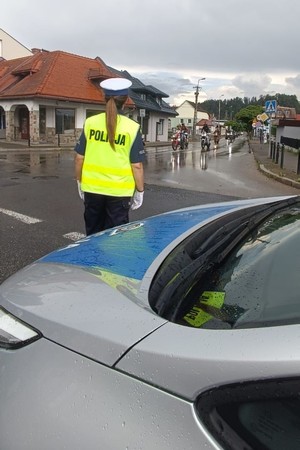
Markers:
(115, 86)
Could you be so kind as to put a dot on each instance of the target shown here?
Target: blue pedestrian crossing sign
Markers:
(270, 106)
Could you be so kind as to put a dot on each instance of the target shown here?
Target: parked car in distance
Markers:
(180, 331)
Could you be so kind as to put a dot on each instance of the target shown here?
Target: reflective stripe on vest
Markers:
(107, 171)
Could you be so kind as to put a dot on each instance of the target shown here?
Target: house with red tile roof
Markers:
(46, 97)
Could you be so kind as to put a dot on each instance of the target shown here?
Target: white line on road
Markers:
(73, 236)
(21, 217)
(167, 180)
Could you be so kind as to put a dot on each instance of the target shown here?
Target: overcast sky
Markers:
(241, 48)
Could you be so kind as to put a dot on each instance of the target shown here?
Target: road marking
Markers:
(21, 217)
(167, 180)
(74, 236)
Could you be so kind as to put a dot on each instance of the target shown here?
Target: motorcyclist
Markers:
(184, 128)
(205, 128)
(217, 135)
(205, 136)
(176, 137)
(229, 135)
(185, 131)
(217, 131)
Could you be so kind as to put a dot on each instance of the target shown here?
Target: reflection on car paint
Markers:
(128, 286)
(125, 228)
(130, 253)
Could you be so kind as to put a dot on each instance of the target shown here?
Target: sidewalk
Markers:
(23, 145)
(287, 175)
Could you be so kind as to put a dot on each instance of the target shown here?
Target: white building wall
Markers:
(50, 106)
(186, 115)
(152, 135)
(291, 132)
(288, 132)
(185, 110)
(80, 115)
(10, 48)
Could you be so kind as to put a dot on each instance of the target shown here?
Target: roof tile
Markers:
(56, 74)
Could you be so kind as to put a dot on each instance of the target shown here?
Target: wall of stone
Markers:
(34, 133)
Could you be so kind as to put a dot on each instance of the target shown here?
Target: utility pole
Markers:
(220, 108)
(196, 107)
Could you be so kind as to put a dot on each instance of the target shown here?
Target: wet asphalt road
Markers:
(228, 170)
(39, 184)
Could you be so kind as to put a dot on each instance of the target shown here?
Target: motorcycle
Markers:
(229, 137)
(175, 141)
(216, 137)
(205, 141)
(180, 139)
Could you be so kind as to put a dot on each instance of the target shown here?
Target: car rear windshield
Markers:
(241, 271)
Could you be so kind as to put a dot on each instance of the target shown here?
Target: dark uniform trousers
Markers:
(103, 211)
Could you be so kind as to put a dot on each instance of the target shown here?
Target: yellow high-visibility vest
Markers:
(105, 170)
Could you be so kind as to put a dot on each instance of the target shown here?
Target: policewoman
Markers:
(109, 162)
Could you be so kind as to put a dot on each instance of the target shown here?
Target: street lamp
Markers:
(220, 107)
(196, 107)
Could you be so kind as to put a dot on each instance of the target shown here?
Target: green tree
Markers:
(228, 108)
(246, 115)
(235, 126)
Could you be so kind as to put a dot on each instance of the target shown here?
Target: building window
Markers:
(143, 97)
(2, 119)
(160, 127)
(64, 121)
(90, 113)
(189, 121)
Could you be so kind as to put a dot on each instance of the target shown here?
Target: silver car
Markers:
(180, 332)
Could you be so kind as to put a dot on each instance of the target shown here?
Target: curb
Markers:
(270, 174)
(283, 180)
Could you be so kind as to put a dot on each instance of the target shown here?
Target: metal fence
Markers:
(278, 153)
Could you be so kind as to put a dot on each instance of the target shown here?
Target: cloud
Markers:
(237, 47)
(252, 83)
(293, 82)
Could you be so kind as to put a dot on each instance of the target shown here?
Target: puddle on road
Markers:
(54, 163)
(36, 162)
(238, 146)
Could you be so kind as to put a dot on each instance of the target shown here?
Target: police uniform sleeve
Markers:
(80, 146)
(137, 152)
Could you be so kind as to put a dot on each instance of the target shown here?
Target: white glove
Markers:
(137, 200)
(80, 192)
